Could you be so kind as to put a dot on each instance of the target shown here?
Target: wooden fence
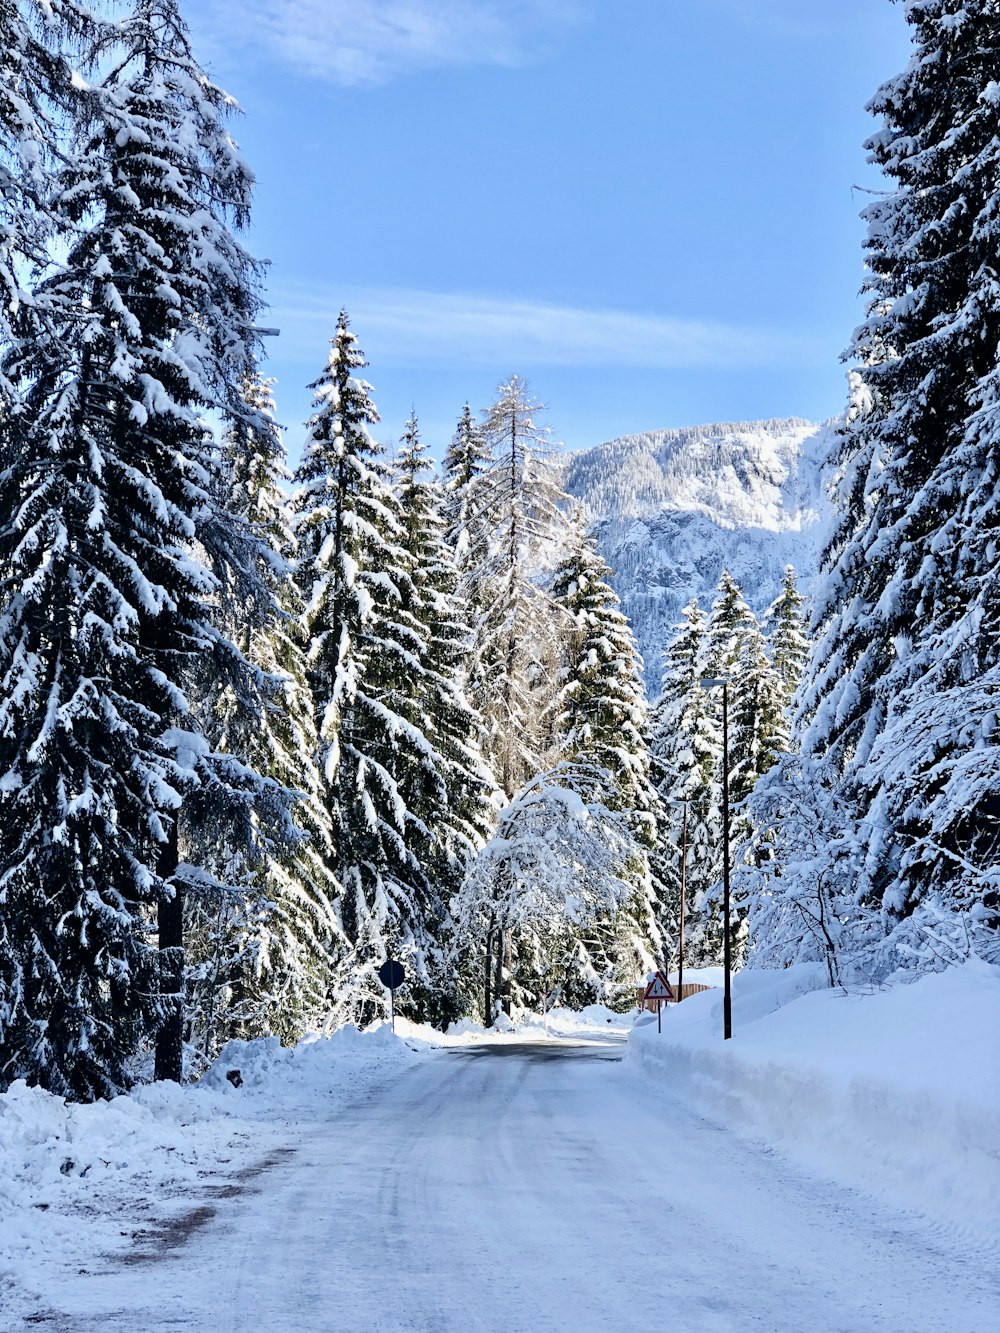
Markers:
(689, 988)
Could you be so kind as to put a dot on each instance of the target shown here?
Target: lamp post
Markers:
(710, 683)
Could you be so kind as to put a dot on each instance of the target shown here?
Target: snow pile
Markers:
(79, 1179)
(305, 1076)
(893, 1091)
(588, 1024)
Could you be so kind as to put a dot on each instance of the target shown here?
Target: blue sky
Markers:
(645, 208)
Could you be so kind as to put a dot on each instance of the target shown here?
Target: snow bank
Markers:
(79, 1179)
(592, 1022)
(893, 1091)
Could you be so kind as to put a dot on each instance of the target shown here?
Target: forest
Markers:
(263, 726)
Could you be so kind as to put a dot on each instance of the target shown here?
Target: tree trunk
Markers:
(488, 979)
(505, 971)
(498, 984)
(170, 920)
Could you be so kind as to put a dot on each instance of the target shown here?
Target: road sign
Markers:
(659, 989)
(391, 974)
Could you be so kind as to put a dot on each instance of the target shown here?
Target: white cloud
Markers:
(442, 329)
(353, 42)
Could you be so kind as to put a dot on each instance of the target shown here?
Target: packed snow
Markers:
(894, 1091)
(877, 1107)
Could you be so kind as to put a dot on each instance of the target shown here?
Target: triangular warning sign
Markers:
(659, 989)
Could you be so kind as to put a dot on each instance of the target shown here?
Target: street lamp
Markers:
(711, 683)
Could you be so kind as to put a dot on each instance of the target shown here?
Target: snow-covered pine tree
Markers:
(514, 527)
(107, 492)
(730, 625)
(274, 958)
(758, 732)
(788, 642)
(37, 98)
(367, 649)
(601, 726)
(685, 744)
(455, 829)
(520, 523)
(466, 459)
(901, 697)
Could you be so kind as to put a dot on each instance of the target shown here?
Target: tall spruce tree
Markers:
(901, 696)
(466, 459)
(108, 492)
(731, 624)
(38, 103)
(686, 744)
(280, 947)
(788, 641)
(367, 654)
(601, 728)
(453, 829)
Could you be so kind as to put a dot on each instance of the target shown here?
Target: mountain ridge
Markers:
(672, 508)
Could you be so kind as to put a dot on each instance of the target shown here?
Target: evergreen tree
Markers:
(601, 726)
(901, 696)
(686, 745)
(454, 829)
(731, 625)
(787, 639)
(108, 492)
(518, 523)
(466, 459)
(367, 649)
(280, 947)
(757, 728)
(37, 100)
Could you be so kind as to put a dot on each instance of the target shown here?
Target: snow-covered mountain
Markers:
(673, 508)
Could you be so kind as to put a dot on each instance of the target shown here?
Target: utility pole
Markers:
(680, 951)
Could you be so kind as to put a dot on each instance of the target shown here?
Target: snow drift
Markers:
(894, 1091)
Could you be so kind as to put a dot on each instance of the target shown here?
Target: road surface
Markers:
(537, 1187)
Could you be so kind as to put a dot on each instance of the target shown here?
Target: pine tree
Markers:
(455, 828)
(517, 523)
(686, 744)
(901, 695)
(280, 947)
(787, 638)
(513, 527)
(107, 494)
(367, 649)
(37, 96)
(601, 727)
(466, 459)
(757, 729)
(731, 624)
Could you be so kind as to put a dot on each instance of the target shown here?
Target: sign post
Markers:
(658, 990)
(392, 974)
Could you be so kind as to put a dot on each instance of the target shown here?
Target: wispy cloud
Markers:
(354, 42)
(444, 329)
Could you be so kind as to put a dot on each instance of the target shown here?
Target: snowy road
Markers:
(535, 1186)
